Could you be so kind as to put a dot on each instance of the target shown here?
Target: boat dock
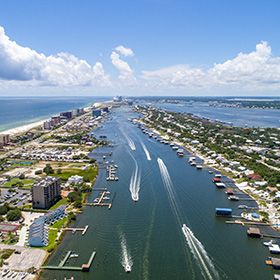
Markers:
(84, 267)
(238, 222)
(100, 203)
(84, 230)
(99, 189)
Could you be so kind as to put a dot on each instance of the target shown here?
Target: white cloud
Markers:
(257, 69)
(124, 51)
(126, 75)
(19, 63)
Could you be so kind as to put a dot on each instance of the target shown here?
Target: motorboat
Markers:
(127, 268)
(74, 256)
(268, 243)
(274, 249)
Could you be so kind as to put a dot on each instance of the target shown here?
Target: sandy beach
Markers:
(23, 128)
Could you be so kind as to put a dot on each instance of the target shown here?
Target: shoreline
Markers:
(32, 125)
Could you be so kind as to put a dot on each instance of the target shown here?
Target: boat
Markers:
(73, 231)
(268, 243)
(274, 249)
(199, 166)
(127, 268)
(5, 272)
(233, 197)
(210, 171)
(74, 256)
(135, 198)
(106, 198)
(107, 192)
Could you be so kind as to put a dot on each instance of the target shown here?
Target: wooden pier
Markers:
(84, 267)
(84, 230)
(99, 189)
(99, 203)
(237, 222)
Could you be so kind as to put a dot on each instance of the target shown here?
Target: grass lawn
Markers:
(15, 180)
(59, 223)
(91, 173)
(62, 201)
(52, 238)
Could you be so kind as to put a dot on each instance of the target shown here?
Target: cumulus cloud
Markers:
(124, 51)
(19, 63)
(257, 69)
(126, 73)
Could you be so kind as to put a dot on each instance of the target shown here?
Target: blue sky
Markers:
(147, 47)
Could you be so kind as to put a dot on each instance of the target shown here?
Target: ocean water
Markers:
(18, 111)
(148, 234)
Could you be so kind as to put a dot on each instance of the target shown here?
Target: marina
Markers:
(165, 203)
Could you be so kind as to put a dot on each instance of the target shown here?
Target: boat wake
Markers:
(169, 187)
(206, 266)
(126, 258)
(130, 142)
(197, 249)
(146, 151)
(134, 186)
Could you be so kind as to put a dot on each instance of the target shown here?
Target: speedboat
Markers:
(268, 243)
(127, 268)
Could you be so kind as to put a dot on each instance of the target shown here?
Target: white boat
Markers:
(135, 198)
(74, 256)
(106, 198)
(274, 249)
(5, 272)
(268, 243)
(127, 268)
(199, 166)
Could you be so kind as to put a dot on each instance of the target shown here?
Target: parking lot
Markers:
(18, 198)
(26, 259)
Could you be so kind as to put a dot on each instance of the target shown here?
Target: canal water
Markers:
(148, 234)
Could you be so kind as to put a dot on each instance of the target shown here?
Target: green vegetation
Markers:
(52, 243)
(48, 169)
(13, 215)
(62, 201)
(17, 182)
(89, 175)
(59, 224)
(5, 254)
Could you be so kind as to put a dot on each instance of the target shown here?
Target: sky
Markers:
(132, 48)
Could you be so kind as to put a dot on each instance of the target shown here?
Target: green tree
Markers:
(14, 215)
(78, 203)
(48, 169)
(22, 176)
(58, 171)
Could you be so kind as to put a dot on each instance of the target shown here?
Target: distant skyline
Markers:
(138, 48)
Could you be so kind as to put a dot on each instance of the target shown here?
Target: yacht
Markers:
(274, 249)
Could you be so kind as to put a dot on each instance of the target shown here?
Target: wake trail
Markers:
(146, 151)
(135, 180)
(206, 266)
(126, 257)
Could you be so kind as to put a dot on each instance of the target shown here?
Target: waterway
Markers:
(237, 116)
(148, 234)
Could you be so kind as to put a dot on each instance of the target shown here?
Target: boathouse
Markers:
(275, 263)
(223, 212)
(254, 232)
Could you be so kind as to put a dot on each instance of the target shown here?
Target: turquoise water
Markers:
(20, 111)
(148, 233)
